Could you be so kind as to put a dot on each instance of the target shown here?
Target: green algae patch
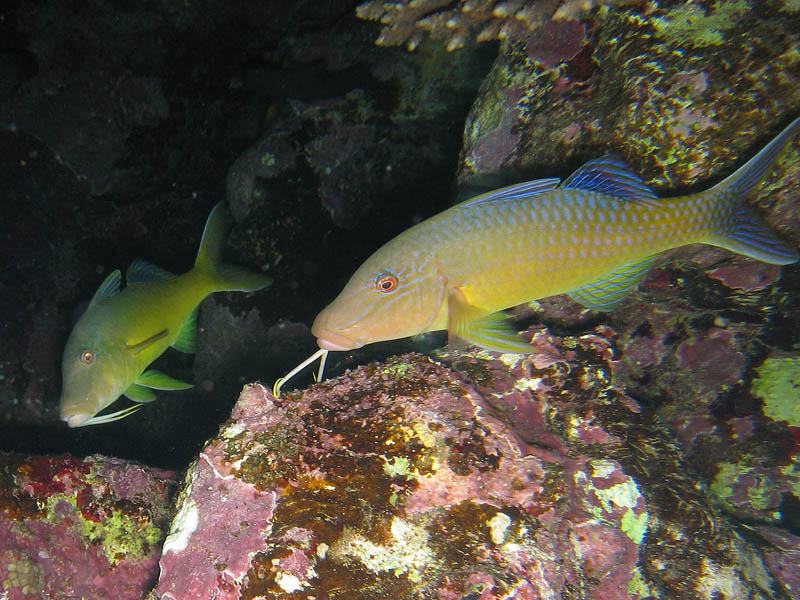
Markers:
(778, 384)
(792, 474)
(639, 587)
(398, 370)
(624, 496)
(694, 25)
(119, 534)
(737, 478)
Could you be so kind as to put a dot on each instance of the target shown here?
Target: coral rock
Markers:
(550, 27)
(88, 528)
(478, 476)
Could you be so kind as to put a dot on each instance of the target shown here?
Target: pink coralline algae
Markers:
(478, 476)
(72, 528)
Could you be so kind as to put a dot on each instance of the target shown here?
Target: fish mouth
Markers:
(77, 419)
(330, 340)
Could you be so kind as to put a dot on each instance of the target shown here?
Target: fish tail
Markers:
(739, 229)
(224, 277)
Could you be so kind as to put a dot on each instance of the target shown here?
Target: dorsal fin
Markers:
(519, 190)
(142, 271)
(610, 175)
(109, 287)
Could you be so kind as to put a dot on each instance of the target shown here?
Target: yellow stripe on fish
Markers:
(594, 236)
(122, 332)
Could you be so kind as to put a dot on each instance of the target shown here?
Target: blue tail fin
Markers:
(745, 234)
(752, 238)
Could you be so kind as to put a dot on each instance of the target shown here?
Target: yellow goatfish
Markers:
(122, 332)
(594, 236)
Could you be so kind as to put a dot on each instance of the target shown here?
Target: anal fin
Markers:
(604, 293)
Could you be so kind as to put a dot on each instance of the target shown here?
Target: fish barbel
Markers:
(594, 237)
(122, 332)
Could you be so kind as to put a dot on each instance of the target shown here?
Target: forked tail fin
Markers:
(742, 231)
(209, 257)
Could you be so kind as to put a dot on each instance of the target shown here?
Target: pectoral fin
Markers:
(139, 393)
(136, 348)
(492, 332)
(159, 381)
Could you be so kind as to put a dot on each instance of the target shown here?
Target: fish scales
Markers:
(506, 253)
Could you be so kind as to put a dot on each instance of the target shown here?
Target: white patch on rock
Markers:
(183, 526)
(498, 525)
(288, 583)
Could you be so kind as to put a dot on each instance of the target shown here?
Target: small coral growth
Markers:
(408, 21)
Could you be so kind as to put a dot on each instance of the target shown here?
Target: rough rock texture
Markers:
(546, 25)
(708, 344)
(478, 476)
(680, 92)
(72, 528)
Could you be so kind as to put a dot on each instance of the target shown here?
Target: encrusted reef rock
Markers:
(478, 476)
(679, 91)
(80, 528)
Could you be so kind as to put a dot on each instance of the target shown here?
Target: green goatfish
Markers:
(122, 332)
(593, 236)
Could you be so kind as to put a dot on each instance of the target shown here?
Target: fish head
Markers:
(94, 374)
(384, 300)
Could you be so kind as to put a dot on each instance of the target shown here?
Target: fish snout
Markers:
(330, 340)
(77, 419)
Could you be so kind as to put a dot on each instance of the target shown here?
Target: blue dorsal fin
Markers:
(604, 293)
(109, 287)
(519, 190)
(142, 271)
(610, 175)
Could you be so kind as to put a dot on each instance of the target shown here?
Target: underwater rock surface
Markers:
(680, 92)
(478, 476)
(80, 528)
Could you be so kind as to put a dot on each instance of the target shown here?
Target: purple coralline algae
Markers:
(478, 476)
(80, 528)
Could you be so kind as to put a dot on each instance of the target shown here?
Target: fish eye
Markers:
(87, 357)
(386, 283)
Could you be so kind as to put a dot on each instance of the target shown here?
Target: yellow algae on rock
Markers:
(778, 384)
